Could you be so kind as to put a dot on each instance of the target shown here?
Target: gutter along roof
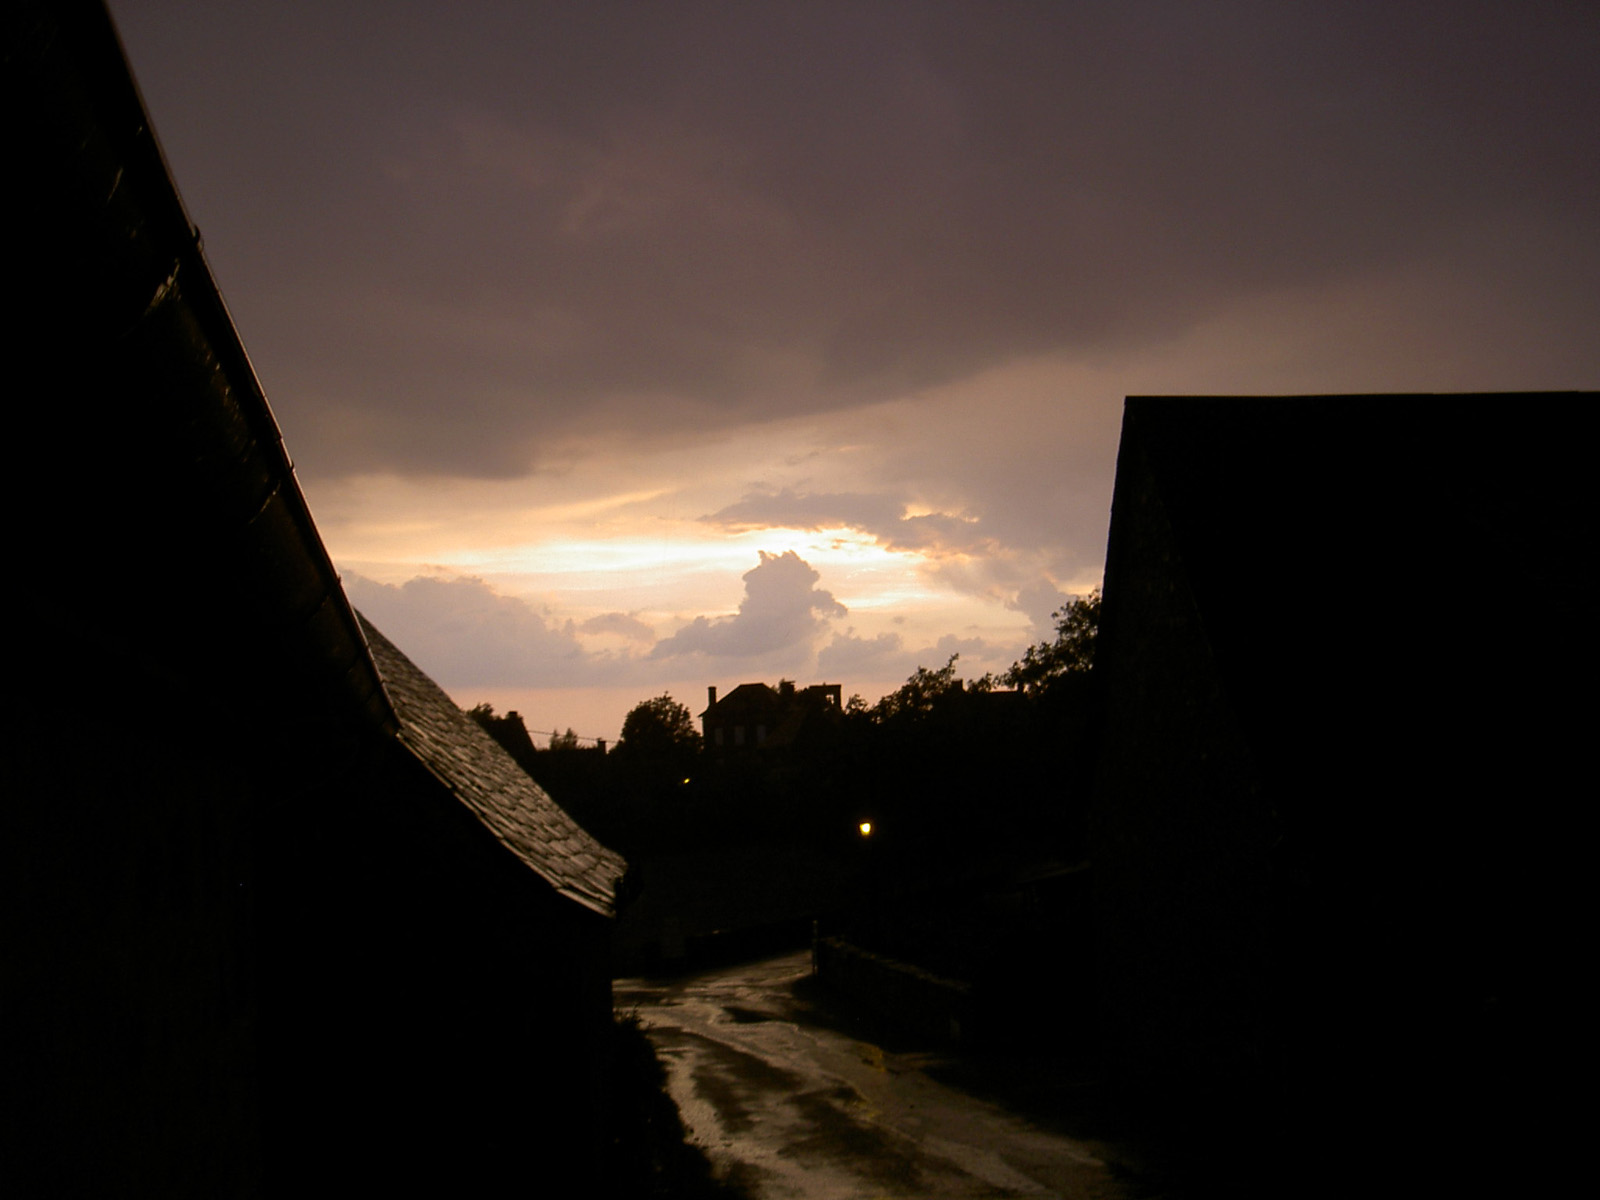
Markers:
(153, 423)
(155, 435)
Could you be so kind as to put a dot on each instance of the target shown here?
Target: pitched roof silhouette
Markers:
(161, 434)
(488, 781)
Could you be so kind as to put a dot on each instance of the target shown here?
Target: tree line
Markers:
(937, 764)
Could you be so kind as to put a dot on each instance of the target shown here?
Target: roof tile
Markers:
(486, 779)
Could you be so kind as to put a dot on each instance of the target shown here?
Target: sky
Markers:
(625, 348)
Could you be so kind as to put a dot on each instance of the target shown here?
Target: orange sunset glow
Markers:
(630, 348)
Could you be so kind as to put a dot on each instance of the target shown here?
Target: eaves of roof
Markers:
(478, 772)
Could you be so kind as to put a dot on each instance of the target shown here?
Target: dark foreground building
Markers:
(275, 917)
(1336, 894)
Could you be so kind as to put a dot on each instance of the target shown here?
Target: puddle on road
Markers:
(797, 1108)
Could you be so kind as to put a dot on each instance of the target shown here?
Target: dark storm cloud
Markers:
(783, 609)
(456, 234)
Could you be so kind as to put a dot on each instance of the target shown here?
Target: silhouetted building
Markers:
(275, 916)
(755, 716)
(1334, 657)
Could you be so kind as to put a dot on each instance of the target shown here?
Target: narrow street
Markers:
(788, 1105)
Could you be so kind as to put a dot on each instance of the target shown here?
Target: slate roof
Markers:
(479, 773)
(165, 434)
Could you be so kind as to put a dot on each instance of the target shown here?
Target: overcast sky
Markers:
(645, 346)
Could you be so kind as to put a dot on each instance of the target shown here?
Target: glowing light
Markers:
(866, 828)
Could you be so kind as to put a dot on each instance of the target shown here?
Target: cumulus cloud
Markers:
(623, 625)
(783, 609)
(886, 656)
(465, 634)
(471, 638)
(848, 654)
(1040, 600)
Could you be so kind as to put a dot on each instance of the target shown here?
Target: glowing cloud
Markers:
(782, 609)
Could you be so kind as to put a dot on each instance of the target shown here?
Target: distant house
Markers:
(755, 716)
(1337, 734)
(275, 916)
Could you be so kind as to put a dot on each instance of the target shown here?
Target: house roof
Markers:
(482, 776)
(153, 423)
(152, 457)
(746, 698)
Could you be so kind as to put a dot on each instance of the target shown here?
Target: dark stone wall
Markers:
(229, 917)
(1182, 839)
(435, 1015)
(236, 963)
(128, 1042)
(1327, 822)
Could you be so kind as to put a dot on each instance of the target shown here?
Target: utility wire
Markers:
(558, 733)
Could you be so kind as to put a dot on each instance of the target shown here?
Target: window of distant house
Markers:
(718, 735)
(761, 734)
(738, 735)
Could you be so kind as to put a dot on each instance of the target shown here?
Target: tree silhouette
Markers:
(918, 695)
(1072, 653)
(660, 728)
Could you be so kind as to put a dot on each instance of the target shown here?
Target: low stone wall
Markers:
(917, 1000)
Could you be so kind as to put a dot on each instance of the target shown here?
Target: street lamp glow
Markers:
(866, 828)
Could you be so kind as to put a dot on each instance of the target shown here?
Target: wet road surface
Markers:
(787, 1106)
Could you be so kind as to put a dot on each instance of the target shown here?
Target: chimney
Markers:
(712, 692)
